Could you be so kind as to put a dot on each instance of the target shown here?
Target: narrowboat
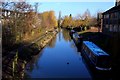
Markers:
(96, 56)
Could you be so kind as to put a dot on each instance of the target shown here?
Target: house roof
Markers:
(113, 9)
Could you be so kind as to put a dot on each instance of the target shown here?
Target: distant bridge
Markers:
(6, 14)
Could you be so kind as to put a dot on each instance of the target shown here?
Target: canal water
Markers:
(59, 59)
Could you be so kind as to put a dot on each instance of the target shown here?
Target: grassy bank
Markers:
(37, 45)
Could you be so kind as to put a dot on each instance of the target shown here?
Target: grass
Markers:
(82, 32)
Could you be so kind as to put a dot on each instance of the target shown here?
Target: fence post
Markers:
(14, 63)
(13, 67)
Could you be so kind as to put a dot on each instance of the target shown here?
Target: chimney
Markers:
(117, 2)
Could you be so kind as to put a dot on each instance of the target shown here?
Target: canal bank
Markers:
(13, 65)
(59, 59)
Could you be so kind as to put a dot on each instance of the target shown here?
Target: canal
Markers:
(59, 59)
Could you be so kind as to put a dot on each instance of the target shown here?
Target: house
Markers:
(99, 21)
(111, 19)
(111, 28)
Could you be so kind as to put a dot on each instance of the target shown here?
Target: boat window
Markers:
(83, 47)
(93, 58)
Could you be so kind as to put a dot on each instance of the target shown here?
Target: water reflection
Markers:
(66, 35)
(59, 30)
(34, 62)
(52, 42)
(60, 61)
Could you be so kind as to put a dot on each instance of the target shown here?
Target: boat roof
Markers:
(94, 48)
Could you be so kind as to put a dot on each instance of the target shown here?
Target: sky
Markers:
(74, 8)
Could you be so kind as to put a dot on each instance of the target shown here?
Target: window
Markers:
(106, 16)
(115, 28)
(93, 57)
(8, 13)
(106, 26)
(5, 13)
(110, 29)
(116, 15)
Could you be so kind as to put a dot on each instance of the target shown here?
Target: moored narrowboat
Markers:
(96, 56)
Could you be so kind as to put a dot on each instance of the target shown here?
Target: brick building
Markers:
(111, 19)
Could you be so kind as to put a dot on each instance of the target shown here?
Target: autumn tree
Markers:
(67, 21)
(19, 21)
(52, 19)
(23, 23)
(48, 20)
(79, 20)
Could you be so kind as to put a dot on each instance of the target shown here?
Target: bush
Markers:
(26, 53)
